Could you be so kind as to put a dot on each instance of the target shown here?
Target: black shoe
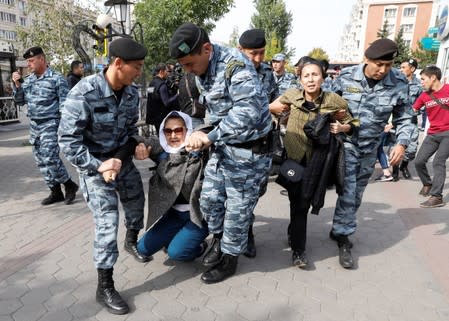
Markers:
(251, 247)
(340, 238)
(404, 169)
(344, 252)
(70, 191)
(395, 173)
(107, 296)
(131, 248)
(213, 253)
(54, 197)
(344, 249)
(299, 259)
(221, 271)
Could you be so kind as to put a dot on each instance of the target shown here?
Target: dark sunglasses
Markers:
(177, 130)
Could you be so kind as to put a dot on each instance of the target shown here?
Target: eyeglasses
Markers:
(177, 130)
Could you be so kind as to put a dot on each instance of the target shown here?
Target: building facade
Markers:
(369, 16)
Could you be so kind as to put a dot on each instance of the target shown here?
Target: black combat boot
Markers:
(251, 247)
(344, 250)
(55, 195)
(213, 253)
(395, 173)
(107, 296)
(221, 271)
(404, 169)
(130, 246)
(70, 191)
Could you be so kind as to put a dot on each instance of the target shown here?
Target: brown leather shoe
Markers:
(425, 190)
(433, 201)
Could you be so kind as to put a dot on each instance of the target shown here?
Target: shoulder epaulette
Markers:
(230, 67)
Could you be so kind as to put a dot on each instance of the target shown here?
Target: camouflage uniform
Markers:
(93, 126)
(44, 95)
(285, 81)
(414, 90)
(327, 84)
(373, 107)
(239, 112)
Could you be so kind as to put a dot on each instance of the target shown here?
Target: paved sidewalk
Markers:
(47, 273)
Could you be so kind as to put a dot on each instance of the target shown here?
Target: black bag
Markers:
(290, 173)
(277, 144)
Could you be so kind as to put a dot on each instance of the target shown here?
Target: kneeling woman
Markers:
(305, 105)
(174, 217)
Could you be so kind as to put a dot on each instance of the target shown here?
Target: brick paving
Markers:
(46, 269)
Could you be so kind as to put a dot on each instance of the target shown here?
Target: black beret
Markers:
(185, 40)
(382, 49)
(253, 39)
(127, 49)
(33, 51)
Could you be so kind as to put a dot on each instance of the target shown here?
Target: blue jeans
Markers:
(381, 153)
(177, 233)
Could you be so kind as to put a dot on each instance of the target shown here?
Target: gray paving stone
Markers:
(222, 305)
(169, 311)
(9, 306)
(63, 315)
(197, 314)
(29, 312)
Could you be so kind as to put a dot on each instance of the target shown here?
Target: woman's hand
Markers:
(109, 176)
(338, 127)
(142, 152)
(388, 127)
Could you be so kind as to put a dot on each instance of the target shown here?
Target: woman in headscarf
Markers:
(174, 218)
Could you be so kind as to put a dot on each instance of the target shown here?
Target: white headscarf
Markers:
(163, 140)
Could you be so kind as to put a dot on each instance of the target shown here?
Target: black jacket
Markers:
(327, 165)
(72, 80)
(159, 103)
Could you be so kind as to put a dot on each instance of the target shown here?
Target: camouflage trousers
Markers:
(232, 181)
(410, 152)
(44, 142)
(358, 170)
(102, 199)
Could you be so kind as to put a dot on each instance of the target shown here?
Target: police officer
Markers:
(98, 121)
(408, 68)
(44, 90)
(252, 43)
(374, 92)
(284, 80)
(238, 111)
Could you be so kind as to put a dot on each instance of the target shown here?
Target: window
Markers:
(9, 17)
(7, 2)
(407, 27)
(8, 35)
(390, 13)
(23, 21)
(409, 12)
(390, 28)
(408, 43)
(21, 5)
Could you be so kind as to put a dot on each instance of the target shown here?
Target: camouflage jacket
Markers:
(237, 107)
(44, 95)
(414, 89)
(373, 106)
(285, 81)
(93, 121)
(268, 82)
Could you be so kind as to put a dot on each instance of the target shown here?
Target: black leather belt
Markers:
(258, 146)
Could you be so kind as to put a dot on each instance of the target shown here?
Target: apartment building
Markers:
(368, 17)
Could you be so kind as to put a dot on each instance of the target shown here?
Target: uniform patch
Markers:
(184, 48)
(353, 90)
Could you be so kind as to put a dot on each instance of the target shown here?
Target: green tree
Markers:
(424, 57)
(273, 18)
(234, 38)
(51, 28)
(160, 18)
(319, 54)
(383, 32)
(403, 48)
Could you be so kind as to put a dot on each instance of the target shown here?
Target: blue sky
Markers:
(316, 23)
